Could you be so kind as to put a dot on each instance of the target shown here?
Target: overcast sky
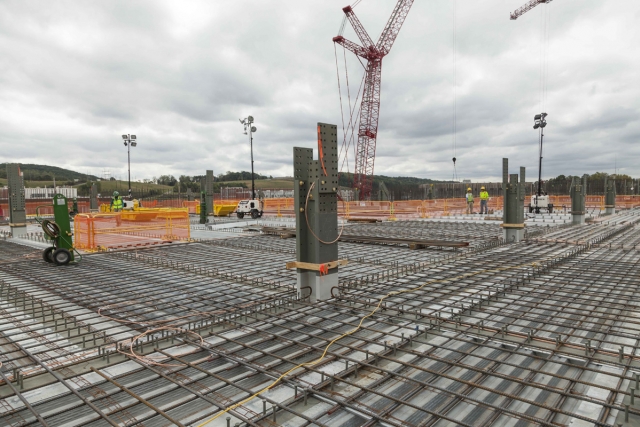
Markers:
(75, 75)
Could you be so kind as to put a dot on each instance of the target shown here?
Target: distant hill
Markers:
(33, 172)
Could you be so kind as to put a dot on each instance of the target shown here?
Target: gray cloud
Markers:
(74, 76)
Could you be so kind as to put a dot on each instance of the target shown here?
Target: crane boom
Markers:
(393, 26)
(527, 7)
(370, 107)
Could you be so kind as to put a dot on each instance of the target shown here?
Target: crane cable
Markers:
(356, 329)
(454, 119)
(335, 52)
(347, 141)
(545, 17)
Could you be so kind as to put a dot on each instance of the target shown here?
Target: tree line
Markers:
(185, 182)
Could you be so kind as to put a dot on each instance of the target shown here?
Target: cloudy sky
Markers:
(75, 75)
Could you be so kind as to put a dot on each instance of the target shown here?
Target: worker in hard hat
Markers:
(484, 200)
(116, 202)
(469, 201)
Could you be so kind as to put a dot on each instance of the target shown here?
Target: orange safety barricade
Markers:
(101, 231)
(191, 206)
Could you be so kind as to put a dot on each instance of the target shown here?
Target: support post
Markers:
(206, 201)
(316, 205)
(578, 194)
(609, 196)
(93, 200)
(17, 210)
(513, 203)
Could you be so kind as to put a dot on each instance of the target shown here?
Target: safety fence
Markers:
(46, 206)
(102, 231)
(403, 209)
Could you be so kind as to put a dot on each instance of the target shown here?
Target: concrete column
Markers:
(609, 196)
(315, 201)
(206, 197)
(93, 200)
(578, 192)
(513, 203)
(17, 209)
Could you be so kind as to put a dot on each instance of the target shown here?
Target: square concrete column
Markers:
(17, 209)
(316, 204)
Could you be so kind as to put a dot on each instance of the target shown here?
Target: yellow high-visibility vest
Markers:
(116, 204)
(484, 195)
(469, 197)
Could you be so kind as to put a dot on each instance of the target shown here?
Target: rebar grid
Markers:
(534, 344)
(11, 252)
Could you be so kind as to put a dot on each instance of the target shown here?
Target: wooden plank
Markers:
(315, 267)
(365, 220)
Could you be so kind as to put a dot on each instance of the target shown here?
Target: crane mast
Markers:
(527, 7)
(370, 107)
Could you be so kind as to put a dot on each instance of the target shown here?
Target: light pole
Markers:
(248, 124)
(129, 141)
(540, 123)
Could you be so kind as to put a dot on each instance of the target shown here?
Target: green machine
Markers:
(59, 232)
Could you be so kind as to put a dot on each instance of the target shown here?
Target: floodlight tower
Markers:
(129, 141)
(248, 125)
(540, 123)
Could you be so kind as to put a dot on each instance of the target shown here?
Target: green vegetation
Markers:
(33, 172)
(595, 184)
(401, 187)
(139, 189)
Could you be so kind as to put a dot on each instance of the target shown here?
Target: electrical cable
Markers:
(50, 228)
(306, 203)
(356, 329)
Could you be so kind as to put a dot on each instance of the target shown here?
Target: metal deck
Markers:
(543, 332)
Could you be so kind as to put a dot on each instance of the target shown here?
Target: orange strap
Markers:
(324, 269)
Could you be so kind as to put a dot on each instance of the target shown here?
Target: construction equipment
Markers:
(254, 207)
(370, 107)
(59, 232)
(130, 205)
(540, 200)
(527, 7)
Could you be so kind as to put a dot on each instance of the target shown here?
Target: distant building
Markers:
(48, 193)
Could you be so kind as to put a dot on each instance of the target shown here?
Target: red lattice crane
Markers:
(370, 108)
(527, 7)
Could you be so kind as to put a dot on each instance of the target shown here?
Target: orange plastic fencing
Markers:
(46, 206)
(101, 231)
(191, 206)
(407, 208)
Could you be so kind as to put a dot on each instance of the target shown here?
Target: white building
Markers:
(48, 193)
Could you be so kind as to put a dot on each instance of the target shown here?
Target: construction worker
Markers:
(116, 202)
(484, 199)
(469, 201)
